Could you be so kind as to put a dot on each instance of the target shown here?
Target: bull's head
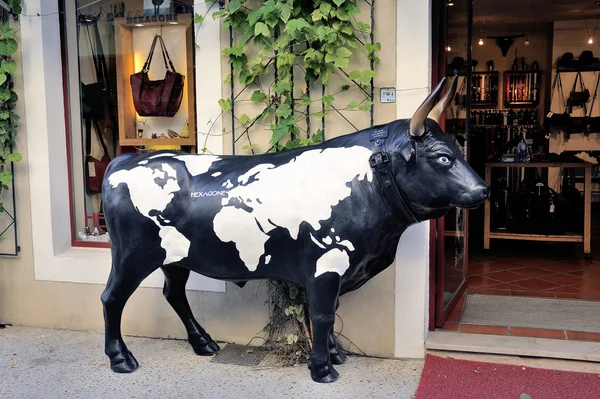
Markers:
(435, 177)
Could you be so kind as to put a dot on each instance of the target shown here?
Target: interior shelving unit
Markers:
(484, 86)
(522, 88)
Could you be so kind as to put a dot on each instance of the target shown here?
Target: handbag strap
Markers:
(166, 54)
(88, 137)
(146, 67)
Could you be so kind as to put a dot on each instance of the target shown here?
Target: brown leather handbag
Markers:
(157, 97)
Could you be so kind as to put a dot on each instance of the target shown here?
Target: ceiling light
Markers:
(527, 42)
(448, 48)
(450, 3)
(591, 40)
(480, 41)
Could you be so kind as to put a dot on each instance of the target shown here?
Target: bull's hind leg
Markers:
(323, 294)
(122, 282)
(174, 290)
(336, 354)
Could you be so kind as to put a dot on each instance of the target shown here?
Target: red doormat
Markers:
(447, 378)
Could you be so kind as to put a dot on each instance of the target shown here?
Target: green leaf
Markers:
(244, 119)
(328, 99)
(306, 100)
(283, 87)
(325, 9)
(352, 105)
(363, 27)
(5, 95)
(262, 29)
(339, 2)
(343, 52)
(234, 5)
(9, 67)
(227, 79)
(279, 132)
(295, 25)
(198, 19)
(283, 110)
(14, 157)
(524, 396)
(3, 78)
(253, 17)
(341, 62)
(246, 77)
(285, 11)
(317, 137)
(258, 96)
(219, 14)
(8, 46)
(4, 114)
(6, 177)
(249, 147)
(272, 21)
(355, 75)
(366, 106)
(225, 104)
(317, 15)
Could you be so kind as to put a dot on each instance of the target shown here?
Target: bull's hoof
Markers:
(324, 374)
(124, 363)
(338, 356)
(203, 346)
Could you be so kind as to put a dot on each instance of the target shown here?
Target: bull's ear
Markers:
(409, 152)
(417, 122)
(437, 112)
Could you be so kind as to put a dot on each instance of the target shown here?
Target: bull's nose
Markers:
(482, 192)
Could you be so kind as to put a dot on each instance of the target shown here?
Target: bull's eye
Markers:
(444, 160)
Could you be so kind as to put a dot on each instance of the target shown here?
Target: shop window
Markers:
(109, 112)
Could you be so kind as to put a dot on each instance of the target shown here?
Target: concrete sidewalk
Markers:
(45, 363)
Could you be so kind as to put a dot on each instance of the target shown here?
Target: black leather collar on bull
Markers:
(382, 169)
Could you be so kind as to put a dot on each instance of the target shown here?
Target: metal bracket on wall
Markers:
(12, 219)
(8, 8)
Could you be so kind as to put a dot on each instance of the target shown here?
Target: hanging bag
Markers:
(157, 97)
(94, 169)
(578, 98)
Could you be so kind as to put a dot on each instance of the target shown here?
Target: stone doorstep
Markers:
(510, 345)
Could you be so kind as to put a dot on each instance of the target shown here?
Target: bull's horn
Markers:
(437, 112)
(417, 127)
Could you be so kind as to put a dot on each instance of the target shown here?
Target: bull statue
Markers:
(327, 218)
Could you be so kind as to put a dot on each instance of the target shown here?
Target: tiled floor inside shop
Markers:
(546, 276)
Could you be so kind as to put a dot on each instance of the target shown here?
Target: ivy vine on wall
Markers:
(8, 101)
(317, 38)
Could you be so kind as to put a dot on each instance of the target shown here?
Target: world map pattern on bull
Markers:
(255, 202)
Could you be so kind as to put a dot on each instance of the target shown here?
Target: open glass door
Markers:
(452, 230)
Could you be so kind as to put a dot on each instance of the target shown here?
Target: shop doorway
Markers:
(530, 117)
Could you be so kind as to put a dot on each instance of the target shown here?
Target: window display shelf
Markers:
(159, 141)
(132, 37)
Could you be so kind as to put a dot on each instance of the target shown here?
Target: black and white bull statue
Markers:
(327, 218)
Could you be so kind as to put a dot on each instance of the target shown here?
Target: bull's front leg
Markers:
(323, 294)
